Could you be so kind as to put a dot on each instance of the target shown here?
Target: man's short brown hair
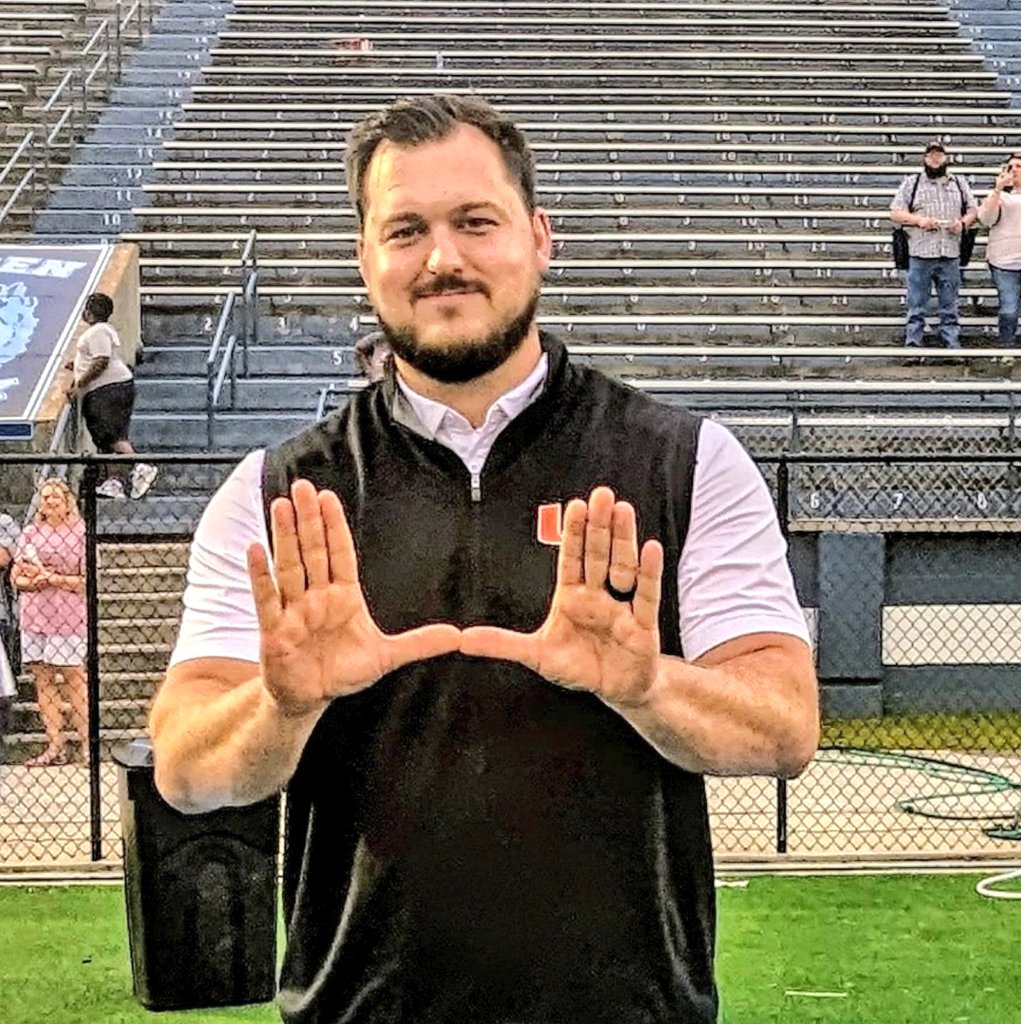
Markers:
(418, 119)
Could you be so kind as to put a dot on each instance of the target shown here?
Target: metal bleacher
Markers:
(719, 194)
(59, 60)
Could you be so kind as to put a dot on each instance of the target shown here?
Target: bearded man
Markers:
(935, 207)
(490, 625)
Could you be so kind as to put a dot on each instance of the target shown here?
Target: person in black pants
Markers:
(107, 389)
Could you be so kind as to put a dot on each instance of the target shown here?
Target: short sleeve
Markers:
(101, 342)
(903, 196)
(733, 576)
(219, 618)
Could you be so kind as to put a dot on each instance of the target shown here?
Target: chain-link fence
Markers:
(905, 566)
(119, 603)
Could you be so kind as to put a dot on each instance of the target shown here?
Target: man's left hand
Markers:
(956, 227)
(592, 640)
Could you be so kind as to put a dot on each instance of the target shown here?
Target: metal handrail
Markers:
(61, 85)
(105, 41)
(67, 115)
(250, 297)
(22, 146)
(101, 28)
(212, 375)
(248, 254)
(27, 181)
(219, 365)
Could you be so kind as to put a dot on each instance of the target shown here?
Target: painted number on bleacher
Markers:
(338, 357)
(814, 501)
(207, 325)
(898, 499)
(111, 220)
(981, 501)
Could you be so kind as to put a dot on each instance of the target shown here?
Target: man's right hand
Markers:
(927, 223)
(318, 640)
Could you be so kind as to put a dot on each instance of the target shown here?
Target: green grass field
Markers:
(986, 732)
(904, 949)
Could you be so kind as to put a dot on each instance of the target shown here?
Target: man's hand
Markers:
(318, 640)
(71, 390)
(956, 227)
(1004, 180)
(927, 223)
(592, 640)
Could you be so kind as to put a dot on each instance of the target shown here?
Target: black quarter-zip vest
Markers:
(467, 843)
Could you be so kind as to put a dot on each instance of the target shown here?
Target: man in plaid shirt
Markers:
(934, 224)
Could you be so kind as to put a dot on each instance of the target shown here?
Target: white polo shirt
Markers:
(733, 577)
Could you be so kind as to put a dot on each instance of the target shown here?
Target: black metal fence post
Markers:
(783, 491)
(88, 495)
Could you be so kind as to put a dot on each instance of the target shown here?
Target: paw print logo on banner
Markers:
(18, 320)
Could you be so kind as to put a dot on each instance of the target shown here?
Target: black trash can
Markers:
(201, 894)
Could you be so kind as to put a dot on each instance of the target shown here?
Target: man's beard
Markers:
(936, 172)
(467, 359)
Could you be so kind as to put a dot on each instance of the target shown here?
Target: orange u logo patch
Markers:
(549, 526)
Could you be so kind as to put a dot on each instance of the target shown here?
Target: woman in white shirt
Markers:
(1001, 213)
(107, 389)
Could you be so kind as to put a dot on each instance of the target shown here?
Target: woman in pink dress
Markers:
(49, 570)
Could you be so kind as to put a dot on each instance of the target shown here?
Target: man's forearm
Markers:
(733, 719)
(225, 746)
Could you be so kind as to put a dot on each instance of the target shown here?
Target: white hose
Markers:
(985, 887)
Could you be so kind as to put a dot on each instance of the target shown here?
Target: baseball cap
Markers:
(935, 144)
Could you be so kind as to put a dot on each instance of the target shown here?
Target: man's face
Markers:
(1014, 166)
(451, 258)
(935, 159)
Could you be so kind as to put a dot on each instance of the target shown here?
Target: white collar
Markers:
(433, 416)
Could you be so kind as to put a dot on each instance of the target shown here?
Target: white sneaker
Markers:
(142, 477)
(111, 487)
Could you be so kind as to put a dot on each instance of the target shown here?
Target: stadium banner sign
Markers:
(42, 290)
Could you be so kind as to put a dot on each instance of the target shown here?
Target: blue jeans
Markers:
(1008, 290)
(945, 273)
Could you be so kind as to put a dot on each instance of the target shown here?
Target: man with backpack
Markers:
(936, 208)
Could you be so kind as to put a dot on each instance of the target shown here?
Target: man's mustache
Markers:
(440, 285)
